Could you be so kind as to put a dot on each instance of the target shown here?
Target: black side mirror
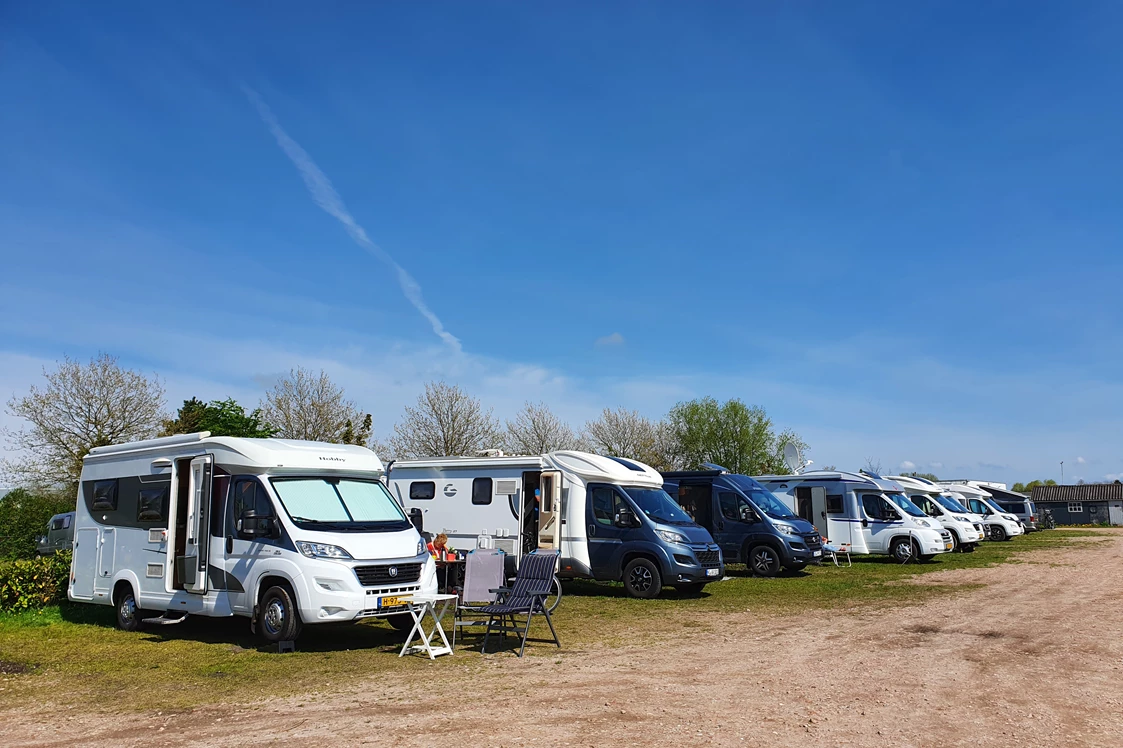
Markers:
(259, 525)
(416, 519)
(626, 518)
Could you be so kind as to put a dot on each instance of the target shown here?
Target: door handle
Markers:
(229, 545)
(865, 522)
(721, 525)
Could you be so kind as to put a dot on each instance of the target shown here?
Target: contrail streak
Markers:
(324, 194)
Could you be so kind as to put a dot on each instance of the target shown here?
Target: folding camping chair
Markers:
(526, 596)
(483, 574)
(832, 552)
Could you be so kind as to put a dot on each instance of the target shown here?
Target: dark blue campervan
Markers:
(750, 525)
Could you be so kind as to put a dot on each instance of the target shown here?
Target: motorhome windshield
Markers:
(949, 503)
(339, 504)
(657, 505)
(902, 501)
(765, 501)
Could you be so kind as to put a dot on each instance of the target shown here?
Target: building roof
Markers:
(1082, 492)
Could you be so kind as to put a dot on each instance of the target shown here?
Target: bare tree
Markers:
(446, 422)
(536, 430)
(81, 407)
(306, 405)
(873, 465)
(626, 433)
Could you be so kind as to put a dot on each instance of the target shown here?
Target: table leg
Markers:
(417, 627)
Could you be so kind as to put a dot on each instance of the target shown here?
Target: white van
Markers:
(609, 517)
(868, 514)
(284, 532)
(999, 525)
(965, 532)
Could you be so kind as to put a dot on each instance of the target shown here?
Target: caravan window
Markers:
(153, 504)
(422, 490)
(481, 491)
(834, 503)
(56, 523)
(105, 495)
(874, 505)
(249, 495)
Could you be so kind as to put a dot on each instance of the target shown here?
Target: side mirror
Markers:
(259, 525)
(626, 518)
(416, 519)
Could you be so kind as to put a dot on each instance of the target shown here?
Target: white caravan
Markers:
(609, 517)
(864, 512)
(1000, 525)
(284, 532)
(966, 533)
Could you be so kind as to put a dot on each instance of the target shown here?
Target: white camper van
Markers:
(609, 517)
(287, 533)
(1000, 525)
(966, 533)
(865, 512)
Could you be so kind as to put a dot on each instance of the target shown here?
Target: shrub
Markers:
(28, 584)
(24, 517)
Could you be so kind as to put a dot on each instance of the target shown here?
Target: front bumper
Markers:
(802, 549)
(703, 563)
(335, 592)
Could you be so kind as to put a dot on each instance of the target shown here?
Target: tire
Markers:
(955, 544)
(901, 550)
(694, 588)
(969, 548)
(278, 620)
(998, 532)
(401, 621)
(642, 579)
(128, 614)
(764, 561)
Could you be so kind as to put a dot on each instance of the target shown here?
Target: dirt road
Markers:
(1033, 657)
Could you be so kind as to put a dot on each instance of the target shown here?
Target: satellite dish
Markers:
(792, 458)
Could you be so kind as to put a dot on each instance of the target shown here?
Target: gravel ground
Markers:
(1034, 656)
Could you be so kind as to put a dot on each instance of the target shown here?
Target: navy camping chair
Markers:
(526, 596)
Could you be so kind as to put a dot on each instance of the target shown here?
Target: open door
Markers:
(192, 565)
(550, 510)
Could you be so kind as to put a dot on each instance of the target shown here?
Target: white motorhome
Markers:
(285, 532)
(966, 533)
(866, 513)
(609, 517)
(1000, 525)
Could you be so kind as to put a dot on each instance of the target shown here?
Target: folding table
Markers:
(435, 606)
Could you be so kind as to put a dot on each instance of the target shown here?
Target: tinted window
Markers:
(66, 521)
(56, 523)
(834, 503)
(481, 491)
(422, 490)
(153, 503)
(105, 495)
(874, 505)
(249, 496)
(729, 508)
(605, 502)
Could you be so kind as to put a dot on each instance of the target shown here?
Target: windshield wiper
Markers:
(310, 521)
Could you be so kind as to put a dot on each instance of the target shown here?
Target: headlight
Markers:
(671, 537)
(787, 529)
(420, 547)
(321, 550)
(962, 519)
(923, 523)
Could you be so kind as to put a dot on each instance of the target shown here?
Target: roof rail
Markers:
(162, 441)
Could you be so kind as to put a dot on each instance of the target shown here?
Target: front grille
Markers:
(812, 541)
(708, 558)
(370, 576)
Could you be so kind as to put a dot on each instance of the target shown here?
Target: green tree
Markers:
(23, 518)
(734, 435)
(1028, 487)
(926, 476)
(220, 417)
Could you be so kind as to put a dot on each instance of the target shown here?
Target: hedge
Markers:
(34, 583)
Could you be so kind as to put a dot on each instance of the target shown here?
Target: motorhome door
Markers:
(811, 505)
(193, 567)
(551, 510)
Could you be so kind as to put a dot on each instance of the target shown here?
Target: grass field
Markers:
(72, 653)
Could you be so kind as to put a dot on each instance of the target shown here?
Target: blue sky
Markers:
(895, 226)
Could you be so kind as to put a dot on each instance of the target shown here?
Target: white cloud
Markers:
(908, 465)
(610, 340)
(1113, 477)
(935, 465)
(1081, 461)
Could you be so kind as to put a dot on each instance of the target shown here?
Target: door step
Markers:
(168, 619)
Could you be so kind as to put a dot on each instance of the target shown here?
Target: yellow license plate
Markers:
(393, 602)
(947, 546)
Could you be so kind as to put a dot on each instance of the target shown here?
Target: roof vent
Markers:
(628, 464)
(490, 453)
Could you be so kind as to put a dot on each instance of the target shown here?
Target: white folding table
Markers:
(435, 606)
